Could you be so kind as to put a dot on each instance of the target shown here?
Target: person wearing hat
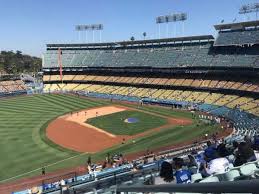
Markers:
(64, 187)
(43, 171)
(36, 190)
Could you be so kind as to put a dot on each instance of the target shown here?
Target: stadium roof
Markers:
(237, 26)
(137, 42)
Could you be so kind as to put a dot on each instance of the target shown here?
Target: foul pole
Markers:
(60, 64)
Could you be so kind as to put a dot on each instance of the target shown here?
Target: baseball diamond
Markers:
(51, 129)
(173, 105)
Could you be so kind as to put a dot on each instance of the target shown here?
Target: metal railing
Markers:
(244, 186)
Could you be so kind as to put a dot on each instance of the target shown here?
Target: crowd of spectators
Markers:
(215, 158)
(218, 157)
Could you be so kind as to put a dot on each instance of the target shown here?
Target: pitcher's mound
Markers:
(131, 120)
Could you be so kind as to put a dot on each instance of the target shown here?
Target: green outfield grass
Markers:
(24, 146)
(21, 146)
(115, 124)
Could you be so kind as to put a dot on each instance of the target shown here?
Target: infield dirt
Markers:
(71, 131)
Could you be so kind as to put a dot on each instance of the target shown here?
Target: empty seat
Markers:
(196, 177)
(210, 179)
(230, 175)
(248, 169)
(193, 169)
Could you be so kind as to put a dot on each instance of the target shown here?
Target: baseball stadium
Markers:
(110, 117)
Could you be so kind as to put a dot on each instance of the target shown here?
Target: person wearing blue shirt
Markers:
(210, 150)
(182, 176)
(256, 142)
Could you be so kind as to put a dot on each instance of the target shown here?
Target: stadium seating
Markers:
(239, 37)
(173, 56)
(126, 175)
(196, 83)
(225, 100)
(12, 86)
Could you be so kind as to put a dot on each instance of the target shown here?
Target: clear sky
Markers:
(27, 25)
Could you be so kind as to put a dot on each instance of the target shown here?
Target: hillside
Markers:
(16, 62)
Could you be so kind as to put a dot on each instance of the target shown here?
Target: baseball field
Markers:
(61, 131)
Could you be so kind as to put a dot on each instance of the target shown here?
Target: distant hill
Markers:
(16, 63)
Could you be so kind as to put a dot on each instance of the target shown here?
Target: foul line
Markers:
(14, 177)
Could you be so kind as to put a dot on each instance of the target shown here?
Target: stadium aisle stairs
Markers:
(187, 82)
(175, 94)
(46, 87)
(89, 77)
(212, 97)
(164, 94)
(54, 87)
(193, 97)
(120, 90)
(236, 85)
(221, 84)
(158, 93)
(196, 83)
(123, 91)
(61, 86)
(81, 87)
(252, 88)
(229, 84)
(205, 83)
(245, 86)
(46, 78)
(243, 102)
(213, 83)
(179, 82)
(93, 88)
(79, 77)
(54, 78)
(249, 106)
(254, 111)
(70, 87)
(68, 77)
(225, 100)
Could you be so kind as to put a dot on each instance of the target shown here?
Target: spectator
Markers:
(182, 176)
(199, 158)
(89, 160)
(244, 154)
(35, 190)
(135, 168)
(192, 165)
(222, 150)
(247, 139)
(165, 175)
(210, 151)
(235, 147)
(43, 171)
(192, 162)
(104, 165)
(64, 187)
(256, 142)
(217, 165)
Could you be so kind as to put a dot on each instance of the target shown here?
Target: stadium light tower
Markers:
(256, 7)
(178, 17)
(159, 21)
(249, 8)
(88, 28)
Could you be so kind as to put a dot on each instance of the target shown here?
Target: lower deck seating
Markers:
(12, 86)
(200, 83)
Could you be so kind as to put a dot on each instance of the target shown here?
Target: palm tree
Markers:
(256, 6)
(144, 35)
